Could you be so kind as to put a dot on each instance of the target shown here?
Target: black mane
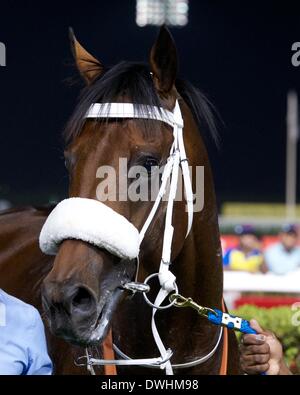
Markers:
(134, 80)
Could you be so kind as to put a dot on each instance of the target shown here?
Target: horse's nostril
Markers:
(82, 298)
(52, 311)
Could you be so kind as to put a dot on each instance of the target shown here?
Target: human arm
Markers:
(39, 361)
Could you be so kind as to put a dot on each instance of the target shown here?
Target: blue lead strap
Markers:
(217, 317)
(230, 321)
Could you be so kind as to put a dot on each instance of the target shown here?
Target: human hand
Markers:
(262, 353)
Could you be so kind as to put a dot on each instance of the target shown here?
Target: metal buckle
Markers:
(180, 301)
(137, 287)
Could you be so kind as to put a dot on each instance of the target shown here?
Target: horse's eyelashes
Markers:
(150, 163)
(69, 160)
(68, 164)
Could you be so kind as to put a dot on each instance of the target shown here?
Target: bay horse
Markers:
(81, 288)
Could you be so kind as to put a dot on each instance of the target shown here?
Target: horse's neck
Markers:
(22, 265)
(199, 274)
(201, 254)
(199, 264)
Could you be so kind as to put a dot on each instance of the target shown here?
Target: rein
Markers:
(55, 231)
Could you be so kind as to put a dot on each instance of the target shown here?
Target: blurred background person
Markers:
(284, 257)
(247, 256)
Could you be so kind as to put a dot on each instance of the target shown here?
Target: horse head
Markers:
(86, 284)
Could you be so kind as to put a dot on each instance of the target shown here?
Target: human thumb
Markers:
(255, 325)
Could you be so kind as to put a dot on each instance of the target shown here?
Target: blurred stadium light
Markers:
(158, 12)
(291, 153)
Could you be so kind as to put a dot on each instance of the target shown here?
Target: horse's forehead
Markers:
(141, 133)
(121, 136)
(97, 136)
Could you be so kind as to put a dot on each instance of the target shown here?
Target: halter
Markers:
(72, 218)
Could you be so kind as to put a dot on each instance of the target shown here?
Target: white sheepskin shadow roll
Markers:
(91, 221)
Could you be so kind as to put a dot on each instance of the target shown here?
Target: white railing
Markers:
(235, 281)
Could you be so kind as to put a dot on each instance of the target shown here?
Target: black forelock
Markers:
(133, 80)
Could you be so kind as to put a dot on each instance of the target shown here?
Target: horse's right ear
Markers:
(89, 67)
(163, 61)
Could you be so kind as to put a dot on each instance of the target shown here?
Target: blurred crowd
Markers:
(250, 255)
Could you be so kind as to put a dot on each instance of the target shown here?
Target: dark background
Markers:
(238, 53)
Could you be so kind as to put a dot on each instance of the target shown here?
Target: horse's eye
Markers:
(67, 164)
(150, 163)
(69, 160)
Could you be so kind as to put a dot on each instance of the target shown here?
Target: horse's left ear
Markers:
(89, 67)
(163, 61)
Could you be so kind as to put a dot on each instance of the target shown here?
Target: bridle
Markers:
(52, 235)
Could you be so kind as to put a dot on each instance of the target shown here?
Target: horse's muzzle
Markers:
(72, 313)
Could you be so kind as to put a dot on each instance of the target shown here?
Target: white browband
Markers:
(94, 222)
(129, 110)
